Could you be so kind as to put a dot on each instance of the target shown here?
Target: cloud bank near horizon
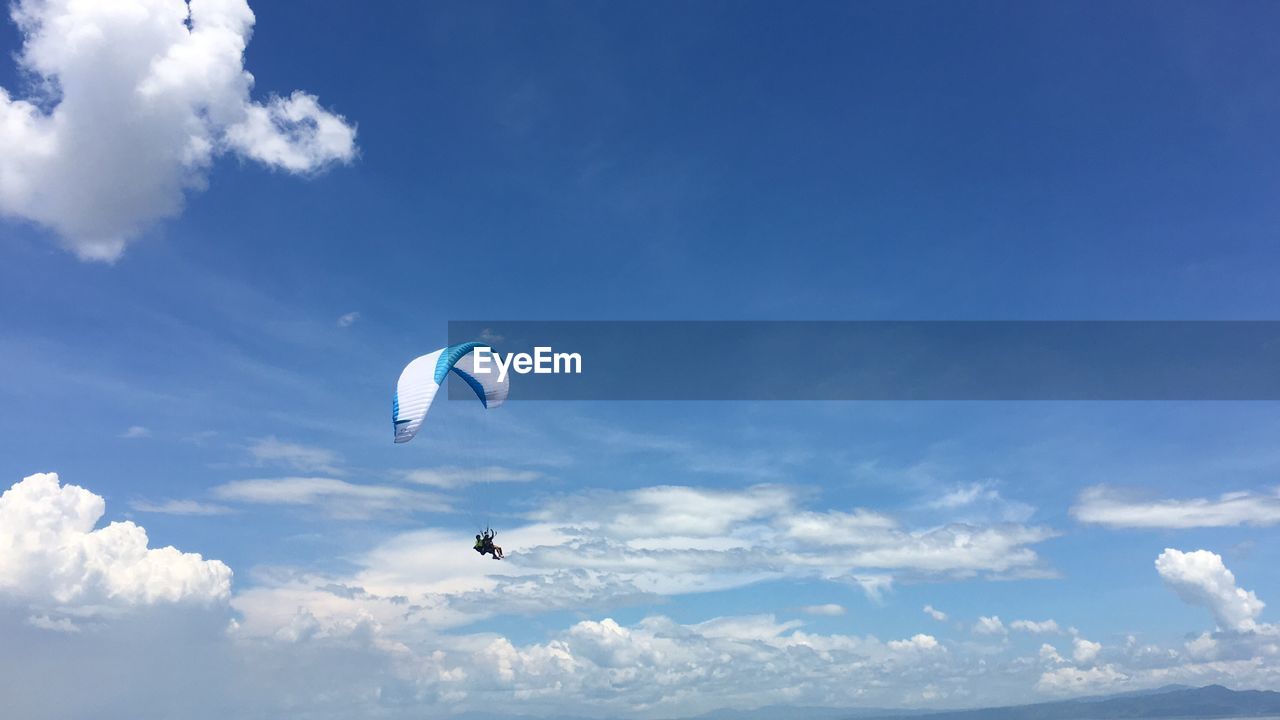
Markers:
(357, 648)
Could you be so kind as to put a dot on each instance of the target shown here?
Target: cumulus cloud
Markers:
(1203, 647)
(1050, 655)
(51, 553)
(1201, 578)
(131, 102)
(1084, 651)
(935, 614)
(292, 133)
(989, 626)
(657, 667)
(1242, 653)
(1104, 506)
(918, 642)
(1081, 681)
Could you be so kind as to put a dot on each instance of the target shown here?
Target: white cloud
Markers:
(1103, 506)
(983, 499)
(293, 134)
(1201, 578)
(839, 528)
(965, 495)
(671, 539)
(348, 319)
(1203, 647)
(383, 640)
(130, 107)
(658, 668)
(1081, 681)
(935, 614)
(270, 451)
(179, 507)
(957, 548)
(873, 540)
(449, 478)
(336, 498)
(829, 610)
(918, 642)
(135, 432)
(668, 510)
(989, 626)
(1036, 627)
(1050, 655)
(875, 586)
(601, 549)
(1084, 651)
(62, 624)
(51, 553)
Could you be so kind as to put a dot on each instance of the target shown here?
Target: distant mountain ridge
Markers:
(1211, 701)
(1165, 703)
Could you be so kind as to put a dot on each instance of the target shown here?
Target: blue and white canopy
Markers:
(422, 378)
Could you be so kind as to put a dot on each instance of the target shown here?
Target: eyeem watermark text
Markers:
(543, 361)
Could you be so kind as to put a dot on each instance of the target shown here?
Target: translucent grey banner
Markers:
(909, 360)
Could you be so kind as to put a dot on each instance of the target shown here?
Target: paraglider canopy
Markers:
(421, 380)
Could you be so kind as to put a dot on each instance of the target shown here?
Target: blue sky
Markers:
(636, 161)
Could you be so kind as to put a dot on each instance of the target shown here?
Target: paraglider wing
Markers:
(421, 379)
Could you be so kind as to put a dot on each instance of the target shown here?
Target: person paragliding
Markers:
(418, 387)
(484, 544)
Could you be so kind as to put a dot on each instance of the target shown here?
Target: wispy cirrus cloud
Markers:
(824, 610)
(306, 458)
(980, 500)
(1102, 505)
(450, 478)
(333, 497)
(179, 507)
